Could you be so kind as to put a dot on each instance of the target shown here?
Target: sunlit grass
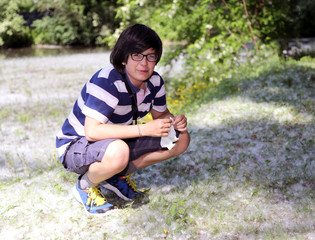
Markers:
(268, 80)
(247, 174)
(249, 171)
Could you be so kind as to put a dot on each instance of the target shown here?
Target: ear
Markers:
(125, 62)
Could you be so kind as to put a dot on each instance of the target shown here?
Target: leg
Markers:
(161, 155)
(95, 162)
(123, 185)
(114, 161)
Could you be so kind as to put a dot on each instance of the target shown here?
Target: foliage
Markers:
(213, 33)
(74, 22)
(287, 76)
(215, 36)
(301, 15)
(60, 22)
(196, 21)
(192, 22)
(12, 31)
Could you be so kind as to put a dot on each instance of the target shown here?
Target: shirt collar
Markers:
(133, 88)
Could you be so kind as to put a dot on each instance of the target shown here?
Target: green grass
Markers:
(248, 173)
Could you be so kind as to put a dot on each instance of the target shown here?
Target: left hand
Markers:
(180, 123)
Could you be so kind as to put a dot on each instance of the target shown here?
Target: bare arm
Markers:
(95, 130)
(159, 115)
(158, 127)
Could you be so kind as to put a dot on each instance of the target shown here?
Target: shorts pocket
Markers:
(75, 157)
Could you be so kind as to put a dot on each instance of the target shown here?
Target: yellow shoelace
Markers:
(95, 197)
(131, 181)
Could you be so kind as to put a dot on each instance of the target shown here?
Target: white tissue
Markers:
(169, 141)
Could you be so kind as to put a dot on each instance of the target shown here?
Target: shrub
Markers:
(13, 33)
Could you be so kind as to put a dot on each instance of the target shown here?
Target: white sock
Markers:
(86, 183)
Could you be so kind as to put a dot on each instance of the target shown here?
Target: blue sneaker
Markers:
(123, 186)
(92, 199)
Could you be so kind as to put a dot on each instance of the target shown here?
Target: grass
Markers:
(248, 173)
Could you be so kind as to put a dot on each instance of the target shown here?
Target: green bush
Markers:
(60, 22)
(216, 37)
(13, 33)
(74, 22)
(212, 32)
(204, 27)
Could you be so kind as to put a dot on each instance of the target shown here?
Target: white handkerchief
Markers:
(169, 141)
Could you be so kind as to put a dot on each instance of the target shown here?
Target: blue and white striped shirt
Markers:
(106, 99)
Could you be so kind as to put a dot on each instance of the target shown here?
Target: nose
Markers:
(144, 61)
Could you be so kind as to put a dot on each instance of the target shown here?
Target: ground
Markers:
(247, 174)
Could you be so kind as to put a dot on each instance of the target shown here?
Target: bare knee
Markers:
(116, 155)
(182, 144)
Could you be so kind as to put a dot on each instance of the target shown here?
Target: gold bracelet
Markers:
(139, 130)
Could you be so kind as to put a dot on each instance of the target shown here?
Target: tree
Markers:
(212, 32)
(60, 22)
(75, 22)
(13, 33)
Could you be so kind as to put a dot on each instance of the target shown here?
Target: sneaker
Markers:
(123, 186)
(92, 199)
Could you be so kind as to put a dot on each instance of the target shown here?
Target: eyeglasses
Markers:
(138, 57)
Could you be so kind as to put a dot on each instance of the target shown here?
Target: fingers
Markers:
(162, 127)
(180, 118)
(180, 123)
(165, 126)
(159, 127)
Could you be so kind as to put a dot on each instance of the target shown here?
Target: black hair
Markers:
(134, 39)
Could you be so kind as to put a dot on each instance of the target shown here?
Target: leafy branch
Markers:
(250, 26)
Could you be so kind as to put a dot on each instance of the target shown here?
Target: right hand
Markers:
(157, 127)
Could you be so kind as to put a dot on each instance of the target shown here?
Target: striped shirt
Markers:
(106, 99)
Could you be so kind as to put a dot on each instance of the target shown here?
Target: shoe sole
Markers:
(78, 198)
(116, 191)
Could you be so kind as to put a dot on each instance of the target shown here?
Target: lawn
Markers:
(249, 172)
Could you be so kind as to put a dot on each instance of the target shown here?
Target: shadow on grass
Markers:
(262, 154)
(259, 176)
(272, 156)
(121, 204)
(268, 143)
(279, 83)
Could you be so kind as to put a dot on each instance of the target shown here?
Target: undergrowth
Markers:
(186, 95)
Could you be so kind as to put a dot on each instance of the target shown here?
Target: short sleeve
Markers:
(101, 99)
(159, 102)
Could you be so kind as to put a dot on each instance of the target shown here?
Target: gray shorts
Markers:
(81, 153)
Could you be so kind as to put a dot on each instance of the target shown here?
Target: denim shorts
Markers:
(81, 153)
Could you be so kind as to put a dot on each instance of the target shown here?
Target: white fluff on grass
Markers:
(245, 175)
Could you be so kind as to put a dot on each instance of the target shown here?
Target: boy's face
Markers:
(139, 71)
